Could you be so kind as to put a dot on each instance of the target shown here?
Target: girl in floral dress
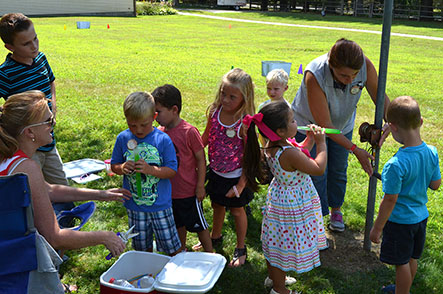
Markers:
(292, 227)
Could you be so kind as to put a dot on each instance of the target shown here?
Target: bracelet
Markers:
(235, 191)
(353, 148)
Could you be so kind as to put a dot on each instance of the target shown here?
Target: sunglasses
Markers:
(49, 121)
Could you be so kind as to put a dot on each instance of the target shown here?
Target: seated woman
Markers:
(26, 124)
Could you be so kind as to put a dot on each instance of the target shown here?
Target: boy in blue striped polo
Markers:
(26, 68)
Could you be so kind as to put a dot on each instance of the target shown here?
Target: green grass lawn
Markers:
(96, 69)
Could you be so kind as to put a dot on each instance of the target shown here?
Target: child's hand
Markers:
(235, 191)
(143, 167)
(375, 235)
(318, 133)
(309, 136)
(128, 167)
(200, 192)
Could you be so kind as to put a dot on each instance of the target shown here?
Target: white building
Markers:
(69, 7)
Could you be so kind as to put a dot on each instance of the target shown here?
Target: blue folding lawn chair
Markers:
(77, 217)
(26, 259)
(18, 253)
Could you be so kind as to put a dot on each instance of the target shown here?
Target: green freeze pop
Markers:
(327, 131)
(138, 177)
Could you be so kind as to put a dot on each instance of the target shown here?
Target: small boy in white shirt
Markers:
(276, 86)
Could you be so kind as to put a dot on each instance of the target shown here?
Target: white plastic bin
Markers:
(187, 272)
(83, 25)
(267, 66)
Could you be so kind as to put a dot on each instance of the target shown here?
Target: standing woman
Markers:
(328, 96)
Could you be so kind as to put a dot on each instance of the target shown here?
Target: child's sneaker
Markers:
(288, 281)
(337, 223)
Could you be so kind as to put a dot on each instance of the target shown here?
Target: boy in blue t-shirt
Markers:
(146, 157)
(406, 178)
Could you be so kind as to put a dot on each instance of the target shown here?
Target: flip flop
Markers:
(215, 242)
(197, 246)
(69, 288)
(239, 252)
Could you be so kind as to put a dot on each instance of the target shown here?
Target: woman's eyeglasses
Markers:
(49, 121)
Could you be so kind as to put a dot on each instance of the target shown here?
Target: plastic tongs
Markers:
(125, 238)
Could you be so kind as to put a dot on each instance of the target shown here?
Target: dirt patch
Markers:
(346, 251)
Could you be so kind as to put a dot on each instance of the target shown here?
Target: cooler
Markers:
(267, 66)
(83, 25)
(187, 272)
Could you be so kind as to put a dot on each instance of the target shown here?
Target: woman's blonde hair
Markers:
(243, 82)
(19, 111)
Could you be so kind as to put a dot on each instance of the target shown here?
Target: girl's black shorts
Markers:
(218, 186)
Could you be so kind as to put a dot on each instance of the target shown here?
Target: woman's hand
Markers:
(114, 244)
(365, 160)
(116, 194)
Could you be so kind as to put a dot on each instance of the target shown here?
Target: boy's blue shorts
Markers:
(402, 242)
(161, 223)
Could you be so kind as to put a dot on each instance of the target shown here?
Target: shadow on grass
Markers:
(332, 18)
(349, 19)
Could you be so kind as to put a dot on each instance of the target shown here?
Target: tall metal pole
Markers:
(379, 113)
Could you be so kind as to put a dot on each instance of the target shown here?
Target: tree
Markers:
(426, 10)
(283, 5)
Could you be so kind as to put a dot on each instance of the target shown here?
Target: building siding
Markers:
(68, 7)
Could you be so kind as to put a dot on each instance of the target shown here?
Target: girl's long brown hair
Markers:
(275, 116)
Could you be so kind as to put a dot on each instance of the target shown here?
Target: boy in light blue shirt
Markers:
(406, 177)
(150, 211)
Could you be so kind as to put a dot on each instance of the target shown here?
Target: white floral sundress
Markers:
(292, 228)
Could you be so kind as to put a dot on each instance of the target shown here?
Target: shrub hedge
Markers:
(155, 8)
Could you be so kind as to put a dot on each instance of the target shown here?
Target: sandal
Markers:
(69, 288)
(239, 252)
(288, 281)
(215, 243)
